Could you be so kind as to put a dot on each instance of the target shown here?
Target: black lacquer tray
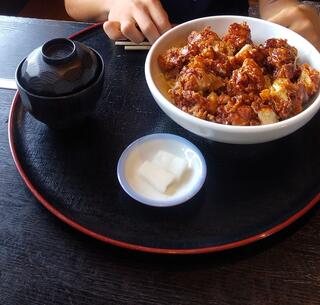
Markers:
(251, 191)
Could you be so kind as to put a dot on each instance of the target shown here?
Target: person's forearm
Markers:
(87, 10)
(269, 8)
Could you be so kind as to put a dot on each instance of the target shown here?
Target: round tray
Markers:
(251, 191)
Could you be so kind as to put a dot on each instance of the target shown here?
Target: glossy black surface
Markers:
(64, 111)
(249, 188)
(59, 67)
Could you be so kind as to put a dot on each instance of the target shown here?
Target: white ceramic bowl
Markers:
(144, 149)
(260, 31)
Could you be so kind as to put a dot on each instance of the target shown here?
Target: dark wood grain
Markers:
(43, 261)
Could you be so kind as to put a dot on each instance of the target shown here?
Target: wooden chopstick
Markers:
(130, 43)
(131, 46)
(136, 48)
(7, 83)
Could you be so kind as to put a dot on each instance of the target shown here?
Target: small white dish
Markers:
(144, 149)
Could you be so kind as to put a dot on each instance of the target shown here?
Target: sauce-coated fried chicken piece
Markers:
(258, 54)
(247, 79)
(280, 53)
(310, 79)
(237, 110)
(203, 39)
(238, 35)
(198, 79)
(285, 96)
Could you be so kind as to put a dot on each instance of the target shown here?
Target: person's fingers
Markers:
(306, 30)
(309, 9)
(287, 16)
(302, 19)
(312, 27)
(159, 16)
(123, 30)
(146, 24)
(281, 18)
(112, 29)
(129, 29)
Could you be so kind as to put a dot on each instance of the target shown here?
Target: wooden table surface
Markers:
(43, 261)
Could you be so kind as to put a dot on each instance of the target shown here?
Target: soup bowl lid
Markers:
(59, 67)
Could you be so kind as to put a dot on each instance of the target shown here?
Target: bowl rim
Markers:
(55, 98)
(309, 111)
(161, 203)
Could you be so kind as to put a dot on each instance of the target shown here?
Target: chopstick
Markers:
(130, 43)
(131, 46)
(136, 48)
(7, 83)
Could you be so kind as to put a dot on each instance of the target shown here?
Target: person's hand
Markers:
(303, 19)
(136, 20)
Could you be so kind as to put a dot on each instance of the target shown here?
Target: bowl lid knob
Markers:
(58, 51)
